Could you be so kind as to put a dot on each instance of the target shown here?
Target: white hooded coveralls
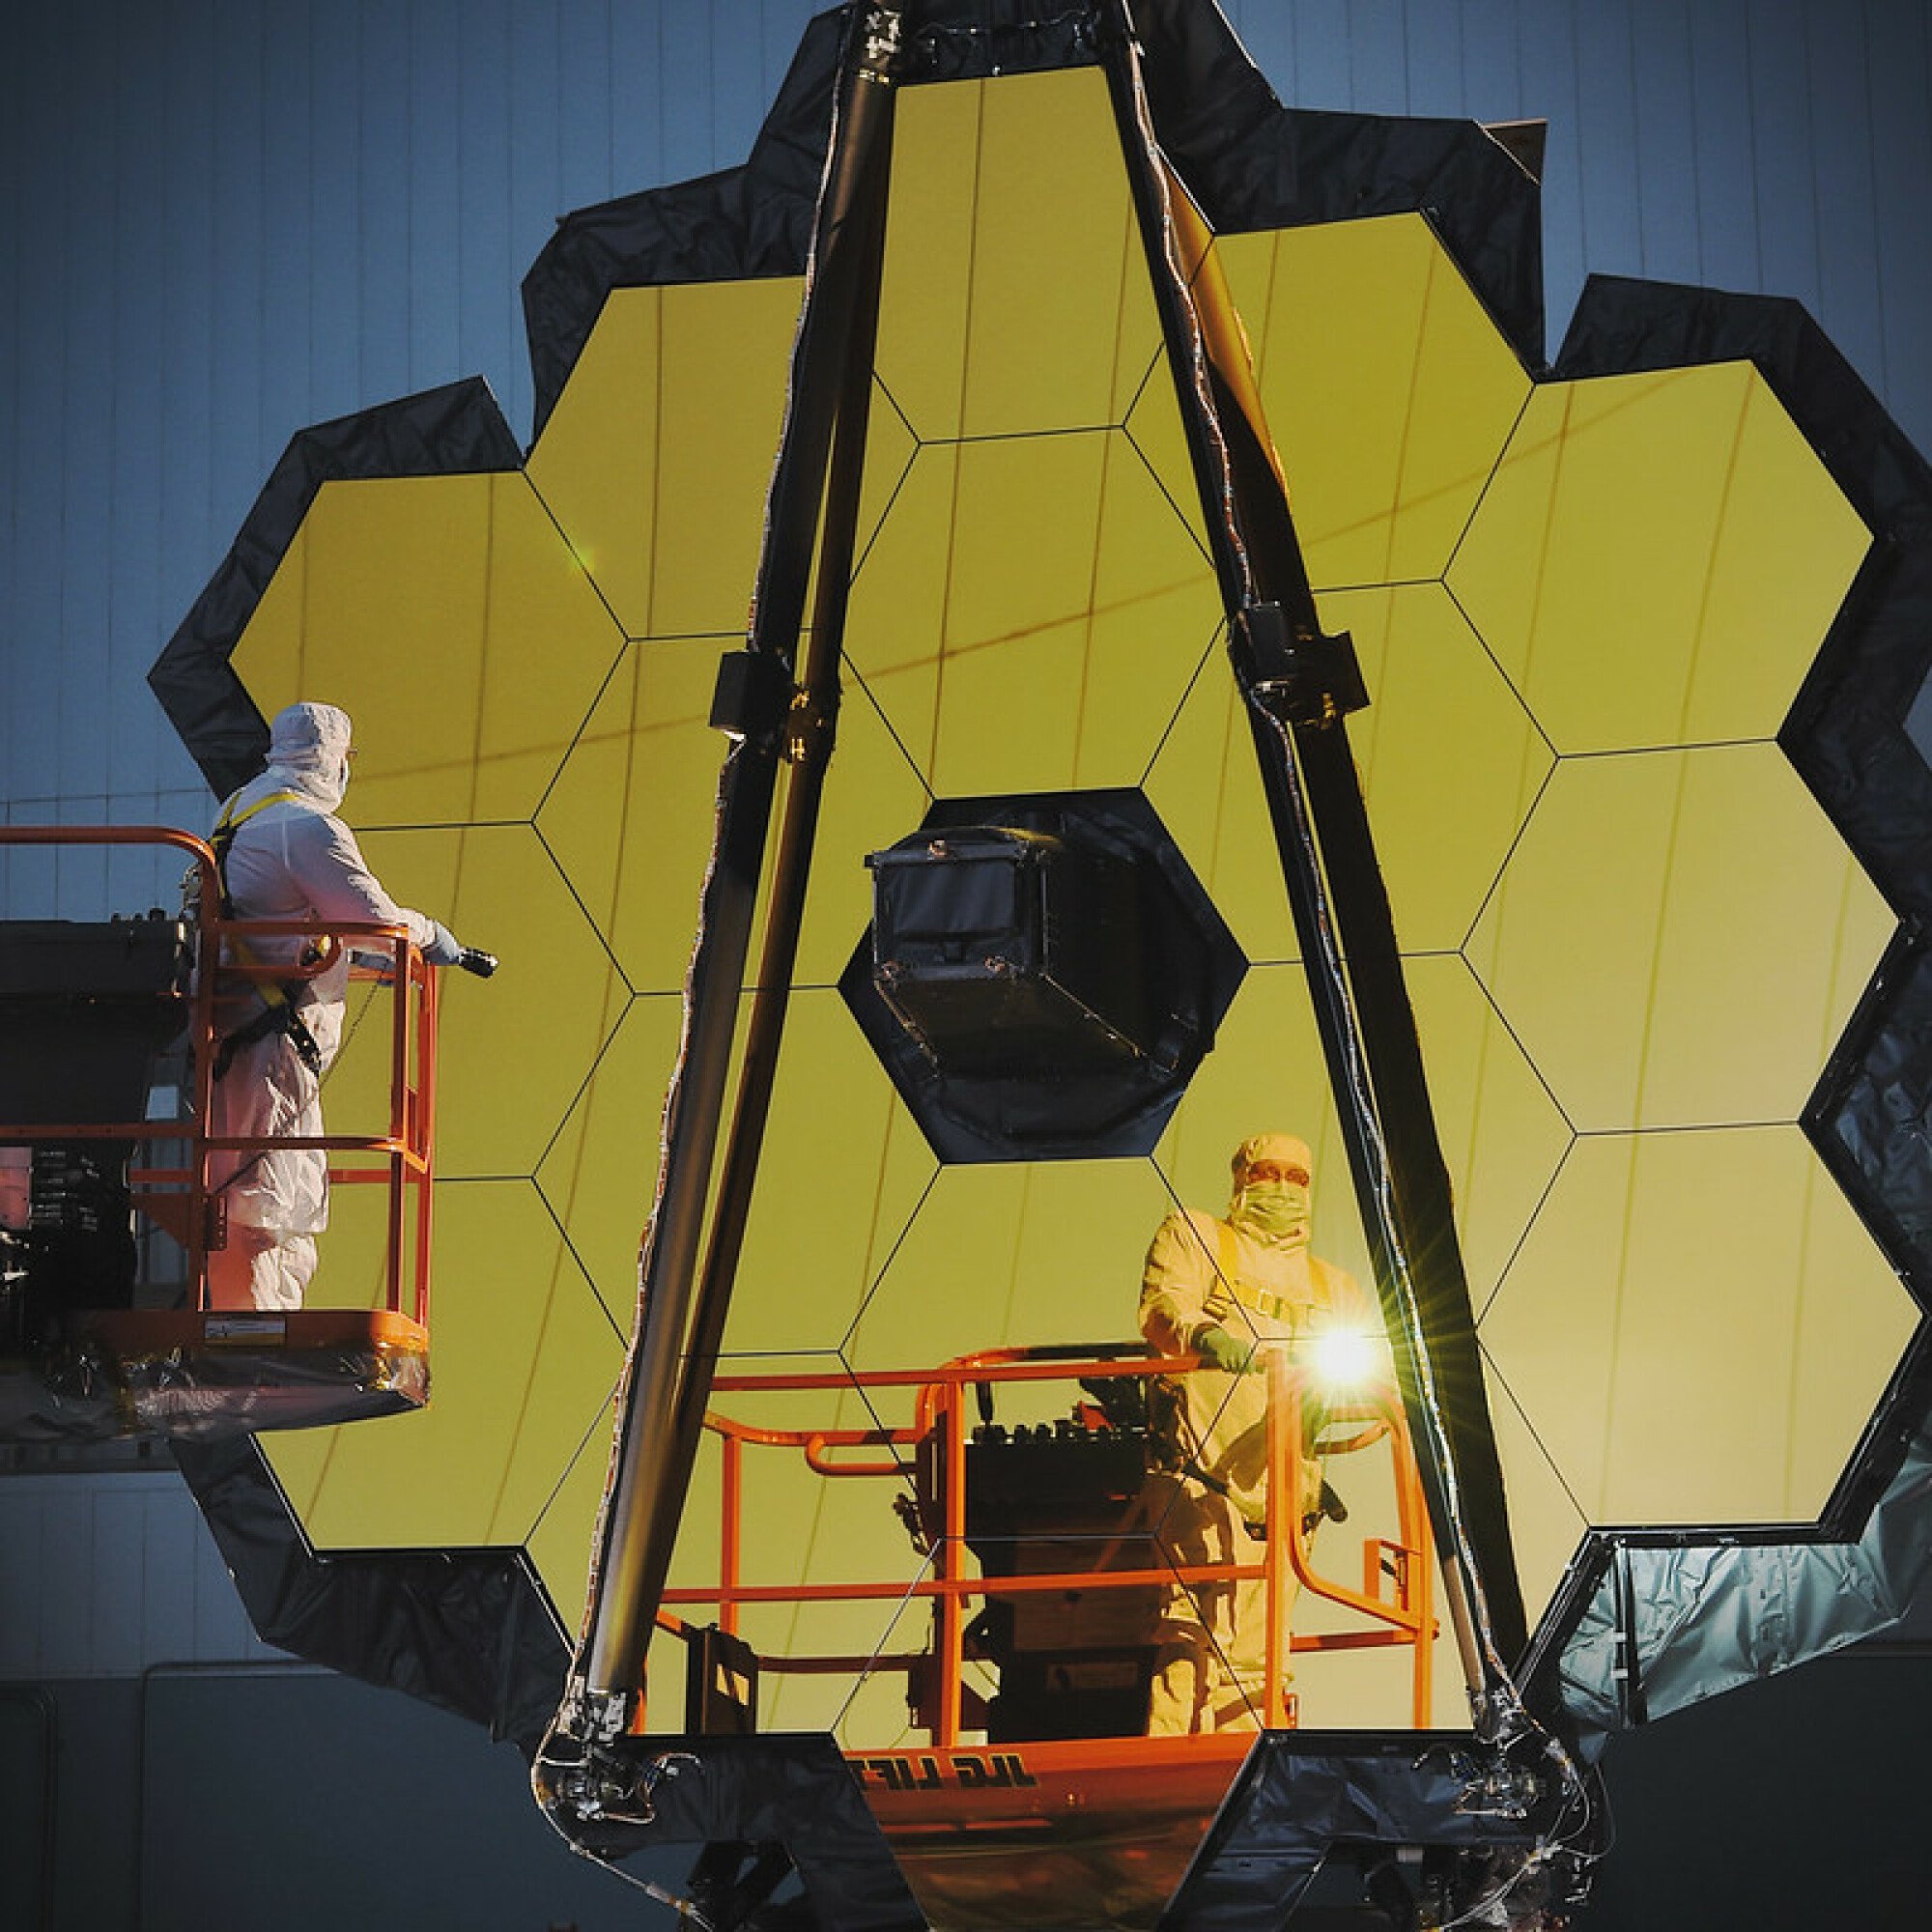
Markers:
(291, 859)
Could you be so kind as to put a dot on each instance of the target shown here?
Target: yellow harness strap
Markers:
(1276, 1307)
(231, 822)
(279, 1000)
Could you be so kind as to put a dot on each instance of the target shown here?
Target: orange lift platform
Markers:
(1013, 1766)
(1054, 1532)
(106, 1084)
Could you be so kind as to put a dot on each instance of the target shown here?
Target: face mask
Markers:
(1276, 1211)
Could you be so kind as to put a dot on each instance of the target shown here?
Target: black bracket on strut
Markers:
(753, 697)
(1293, 673)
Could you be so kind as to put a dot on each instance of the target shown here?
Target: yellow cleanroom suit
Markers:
(1216, 1286)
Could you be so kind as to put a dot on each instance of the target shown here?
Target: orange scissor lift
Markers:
(191, 1370)
(995, 1775)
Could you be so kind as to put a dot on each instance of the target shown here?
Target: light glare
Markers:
(1343, 1359)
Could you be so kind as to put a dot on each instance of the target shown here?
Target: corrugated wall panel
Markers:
(177, 192)
(78, 744)
(22, 1584)
(586, 81)
(636, 118)
(1663, 127)
(1378, 57)
(339, 298)
(1610, 224)
(383, 169)
(12, 278)
(738, 92)
(110, 1575)
(1781, 153)
(1837, 57)
(138, 740)
(1720, 109)
(172, 1565)
(487, 263)
(117, 1551)
(1433, 60)
(433, 193)
(688, 75)
(1319, 76)
(537, 109)
(1900, 64)
(38, 457)
(1492, 64)
(60, 1548)
(1550, 91)
(280, 288)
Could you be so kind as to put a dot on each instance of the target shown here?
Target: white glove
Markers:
(443, 948)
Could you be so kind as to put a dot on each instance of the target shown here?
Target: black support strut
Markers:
(811, 516)
(1298, 684)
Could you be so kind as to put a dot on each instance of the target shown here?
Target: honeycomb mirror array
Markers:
(1631, 938)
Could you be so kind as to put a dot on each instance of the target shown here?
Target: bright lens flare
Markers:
(1342, 1358)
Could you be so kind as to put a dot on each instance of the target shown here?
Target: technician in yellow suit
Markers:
(1224, 1289)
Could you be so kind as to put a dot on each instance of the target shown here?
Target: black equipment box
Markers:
(1005, 952)
(1061, 1499)
(83, 1011)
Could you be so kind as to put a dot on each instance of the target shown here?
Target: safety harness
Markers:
(1277, 1308)
(278, 1012)
(1258, 1300)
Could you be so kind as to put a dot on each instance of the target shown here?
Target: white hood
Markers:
(308, 753)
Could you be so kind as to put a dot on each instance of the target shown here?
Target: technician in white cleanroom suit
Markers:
(290, 858)
(1215, 1289)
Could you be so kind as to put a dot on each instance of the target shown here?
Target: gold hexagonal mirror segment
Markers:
(512, 1051)
(523, 1358)
(456, 627)
(1449, 762)
(673, 545)
(1389, 391)
(1679, 938)
(1658, 559)
(629, 817)
(1698, 1327)
(1503, 1137)
(1030, 613)
(1015, 296)
(1014, 1255)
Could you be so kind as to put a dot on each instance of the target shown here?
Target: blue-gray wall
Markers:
(221, 221)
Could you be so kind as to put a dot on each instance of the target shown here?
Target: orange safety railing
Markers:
(1302, 1422)
(180, 1197)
